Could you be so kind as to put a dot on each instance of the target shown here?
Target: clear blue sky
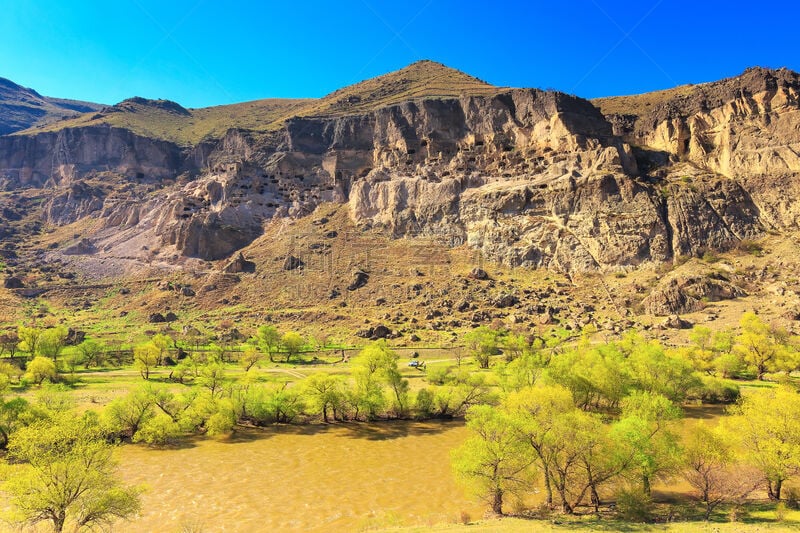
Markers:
(207, 52)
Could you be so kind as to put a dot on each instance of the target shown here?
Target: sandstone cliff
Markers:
(530, 178)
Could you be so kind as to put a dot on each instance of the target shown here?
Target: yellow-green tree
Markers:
(292, 343)
(145, 358)
(52, 342)
(29, 338)
(65, 475)
(495, 459)
(534, 413)
(40, 369)
(768, 424)
(762, 346)
(268, 338)
(644, 434)
(710, 468)
(324, 393)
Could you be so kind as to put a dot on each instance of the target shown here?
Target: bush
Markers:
(437, 375)
(634, 506)
(717, 391)
(424, 403)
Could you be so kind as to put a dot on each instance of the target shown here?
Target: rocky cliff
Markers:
(530, 178)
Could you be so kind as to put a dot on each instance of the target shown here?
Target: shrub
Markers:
(634, 506)
(717, 391)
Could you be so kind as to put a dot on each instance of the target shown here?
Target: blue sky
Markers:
(206, 52)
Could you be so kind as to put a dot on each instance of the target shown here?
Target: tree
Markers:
(9, 342)
(482, 342)
(768, 424)
(324, 392)
(495, 458)
(67, 475)
(643, 433)
(40, 369)
(274, 404)
(93, 353)
(292, 342)
(658, 371)
(163, 343)
(29, 338)
(762, 347)
(145, 357)
(709, 456)
(52, 342)
(269, 339)
(535, 411)
(250, 358)
(212, 377)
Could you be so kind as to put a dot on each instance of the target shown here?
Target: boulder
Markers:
(82, 247)
(675, 322)
(74, 337)
(186, 290)
(240, 265)
(13, 283)
(478, 273)
(360, 279)
(380, 332)
(505, 300)
(156, 318)
(170, 317)
(293, 263)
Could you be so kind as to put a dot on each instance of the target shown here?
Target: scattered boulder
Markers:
(82, 247)
(292, 263)
(414, 338)
(239, 265)
(170, 317)
(478, 273)
(156, 318)
(505, 300)
(360, 279)
(124, 290)
(233, 335)
(74, 337)
(463, 306)
(165, 285)
(331, 234)
(186, 290)
(364, 333)
(675, 322)
(13, 283)
(380, 332)
(333, 294)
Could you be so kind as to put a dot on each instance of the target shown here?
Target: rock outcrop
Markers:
(530, 178)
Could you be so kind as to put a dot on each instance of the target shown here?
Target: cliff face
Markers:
(531, 178)
(740, 127)
(59, 158)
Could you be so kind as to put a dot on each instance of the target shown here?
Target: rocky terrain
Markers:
(522, 178)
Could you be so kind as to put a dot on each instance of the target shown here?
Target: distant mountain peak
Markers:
(137, 102)
(421, 79)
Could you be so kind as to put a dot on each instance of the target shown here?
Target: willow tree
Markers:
(66, 475)
(495, 460)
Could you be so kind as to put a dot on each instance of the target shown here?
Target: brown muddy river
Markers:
(315, 478)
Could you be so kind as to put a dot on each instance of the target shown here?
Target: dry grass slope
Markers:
(160, 119)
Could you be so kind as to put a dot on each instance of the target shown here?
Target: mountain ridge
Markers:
(21, 107)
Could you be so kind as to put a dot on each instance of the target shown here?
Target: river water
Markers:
(309, 478)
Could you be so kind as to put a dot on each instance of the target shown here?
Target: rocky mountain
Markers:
(527, 177)
(21, 108)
